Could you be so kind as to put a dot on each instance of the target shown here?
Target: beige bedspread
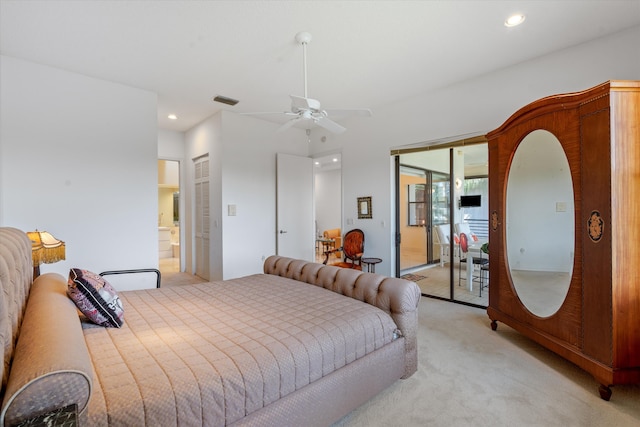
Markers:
(209, 354)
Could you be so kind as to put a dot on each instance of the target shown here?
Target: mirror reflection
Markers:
(540, 223)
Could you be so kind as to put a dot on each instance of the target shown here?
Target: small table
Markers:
(325, 243)
(371, 263)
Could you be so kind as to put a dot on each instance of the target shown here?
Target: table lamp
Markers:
(45, 249)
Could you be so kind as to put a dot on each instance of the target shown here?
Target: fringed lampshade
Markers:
(45, 249)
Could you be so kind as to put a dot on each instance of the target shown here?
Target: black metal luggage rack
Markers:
(139, 270)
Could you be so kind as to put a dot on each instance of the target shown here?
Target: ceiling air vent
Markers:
(225, 100)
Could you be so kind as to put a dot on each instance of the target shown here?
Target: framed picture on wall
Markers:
(364, 208)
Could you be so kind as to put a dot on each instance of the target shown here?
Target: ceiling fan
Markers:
(304, 108)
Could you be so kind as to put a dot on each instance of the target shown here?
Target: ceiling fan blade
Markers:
(329, 125)
(342, 113)
(289, 124)
(261, 113)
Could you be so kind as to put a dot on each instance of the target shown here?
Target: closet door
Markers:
(202, 217)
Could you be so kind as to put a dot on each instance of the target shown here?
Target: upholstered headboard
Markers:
(38, 375)
(16, 276)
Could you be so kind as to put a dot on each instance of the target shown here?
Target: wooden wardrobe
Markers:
(597, 324)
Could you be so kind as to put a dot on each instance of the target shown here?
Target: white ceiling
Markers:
(363, 53)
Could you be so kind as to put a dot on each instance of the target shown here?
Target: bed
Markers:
(300, 344)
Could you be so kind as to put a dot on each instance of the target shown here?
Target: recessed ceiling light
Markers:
(335, 160)
(514, 20)
(172, 117)
(317, 163)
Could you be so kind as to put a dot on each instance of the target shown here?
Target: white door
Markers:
(202, 228)
(294, 210)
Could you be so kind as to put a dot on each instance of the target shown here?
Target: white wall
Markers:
(242, 151)
(473, 106)
(328, 199)
(79, 159)
(170, 144)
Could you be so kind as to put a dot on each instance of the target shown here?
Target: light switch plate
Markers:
(231, 210)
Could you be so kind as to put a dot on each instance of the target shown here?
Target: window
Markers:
(417, 205)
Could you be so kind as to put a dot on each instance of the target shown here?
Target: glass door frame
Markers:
(422, 216)
(453, 267)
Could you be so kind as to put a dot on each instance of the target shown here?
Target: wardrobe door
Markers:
(596, 219)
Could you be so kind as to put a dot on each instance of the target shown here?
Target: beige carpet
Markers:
(178, 279)
(469, 375)
(171, 275)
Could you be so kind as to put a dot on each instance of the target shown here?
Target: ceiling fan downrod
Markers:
(304, 38)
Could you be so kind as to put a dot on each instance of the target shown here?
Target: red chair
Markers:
(352, 249)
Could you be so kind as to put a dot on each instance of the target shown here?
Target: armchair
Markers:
(352, 249)
(335, 234)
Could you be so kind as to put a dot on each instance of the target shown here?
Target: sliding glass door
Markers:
(440, 209)
(424, 204)
(443, 193)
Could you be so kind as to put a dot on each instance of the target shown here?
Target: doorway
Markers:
(169, 230)
(327, 188)
(424, 204)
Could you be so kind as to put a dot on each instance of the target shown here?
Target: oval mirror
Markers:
(540, 223)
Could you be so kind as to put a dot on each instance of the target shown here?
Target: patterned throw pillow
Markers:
(95, 298)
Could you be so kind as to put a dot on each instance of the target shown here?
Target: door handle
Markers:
(283, 231)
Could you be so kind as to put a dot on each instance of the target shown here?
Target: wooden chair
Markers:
(352, 249)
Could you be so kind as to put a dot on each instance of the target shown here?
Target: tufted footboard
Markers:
(398, 297)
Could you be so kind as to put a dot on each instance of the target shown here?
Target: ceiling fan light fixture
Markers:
(514, 20)
(303, 37)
